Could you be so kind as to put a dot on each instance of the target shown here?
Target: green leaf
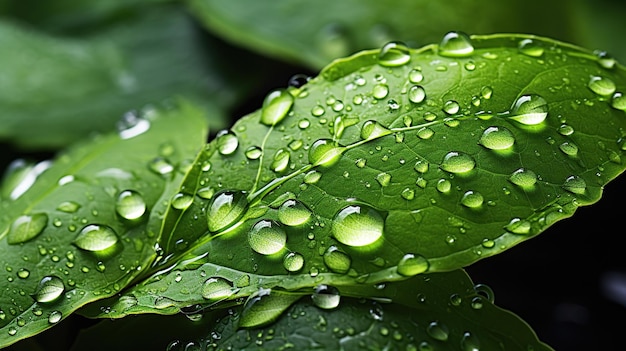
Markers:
(87, 226)
(314, 33)
(57, 89)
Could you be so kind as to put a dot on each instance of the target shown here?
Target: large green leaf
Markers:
(54, 90)
(87, 225)
(390, 164)
(316, 32)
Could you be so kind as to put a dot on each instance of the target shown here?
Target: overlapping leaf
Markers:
(87, 225)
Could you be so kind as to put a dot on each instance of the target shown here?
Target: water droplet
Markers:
(409, 194)
(575, 184)
(438, 331)
(421, 166)
(497, 138)
(280, 163)
(415, 76)
(605, 59)
(486, 92)
(23, 273)
(456, 299)
(618, 101)
(357, 225)
(160, 165)
(372, 129)
(472, 199)
(312, 177)
(293, 262)
(565, 129)
(26, 228)
(394, 54)
(524, 178)
(469, 342)
(130, 205)
(132, 125)
(451, 107)
(601, 85)
(325, 153)
(529, 109)
(457, 162)
(253, 153)
(326, 297)
(227, 142)
(182, 201)
(226, 208)
(49, 289)
(417, 94)
(267, 237)
(298, 80)
(529, 47)
(443, 186)
(95, 237)
(456, 44)
(293, 213)
(569, 148)
(518, 226)
(217, 288)
(380, 91)
(337, 260)
(411, 264)
(425, 133)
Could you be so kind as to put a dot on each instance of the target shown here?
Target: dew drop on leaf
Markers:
(276, 106)
(293, 213)
(281, 159)
(293, 262)
(456, 44)
(55, 317)
(518, 226)
(438, 331)
(226, 208)
(565, 129)
(227, 142)
(253, 153)
(384, 179)
(529, 109)
(372, 129)
(524, 178)
(443, 186)
(216, 288)
(457, 162)
(357, 225)
(380, 91)
(529, 47)
(618, 101)
(472, 199)
(497, 138)
(412, 264)
(416, 76)
(337, 260)
(601, 85)
(421, 166)
(312, 177)
(130, 205)
(451, 107)
(416, 94)
(469, 342)
(394, 54)
(95, 237)
(27, 227)
(267, 237)
(49, 289)
(575, 184)
(326, 297)
(317, 111)
(181, 201)
(325, 153)
(23, 273)
(569, 148)
(160, 165)
(425, 133)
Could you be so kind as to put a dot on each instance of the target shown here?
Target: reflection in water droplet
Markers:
(325, 153)
(293, 213)
(227, 142)
(394, 54)
(357, 225)
(26, 228)
(337, 260)
(601, 86)
(575, 184)
(130, 205)
(326, 297)
(267, 237)
(529, 109)
(217, 288)
(226, 208)
(411, 264)
(457, 162)
(497, 138)
(456, 44)
(49, 289)
(293, 262)
(95, 237)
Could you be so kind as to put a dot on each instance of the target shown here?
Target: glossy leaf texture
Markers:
(391, 163)
(57, 88)
(442, 311)
(85, 225)
(316, 33)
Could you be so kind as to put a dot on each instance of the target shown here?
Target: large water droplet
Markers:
(325, 153)
(417, 94)
(497, 138)
(55, 317)
(524, 178)
(130, 205)
(469, 342)
(529, 109)
(293, 262)
(181, 201)
(531, 48)
(601, 85)
(267, 237)
(227, 142)
(451, 107)
(27, 227)
(326, 297)
(372, 129)
(276, 106)
(472, 199)
(384, 179)
(380, 91)
(217, 288)
(357, 225)
(254, 153)
(394, 54)
(226, 208)
(280, 163)
(49, 289)
(618, 101)
(569, 148)
(337, 260)
(456, 44)
(443, 186)
(411, 264)
(438, 331)
(518, 226)
(95, 237)
(575, 184)
(457, 162)
(293, 213)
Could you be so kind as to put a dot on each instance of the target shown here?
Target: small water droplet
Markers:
(412, 264)
(524, 178)
(425, 133)
(298, 80)
(456, 44)
(569, 148)
(415, 76)
(267, 237)
(181, 201)
(293, 213)
(160, 165)
(486, 92)
(575, 184)
(394, 54)
(421, 166)
(451, 107)
(317, 111)
(337, 260)
(380, 91)
(130, 205)
(55, 317)
(472, 199)
(293, 262)
(601, 85)
(27, 227)
(217, 288)
(443, 186)
(227, 142)
(457, 162)
(49, 289)
(565, 129)
(226, 208)
(357, 225)
(529, 109)
(253, 153)
(456, 299)
(518, 226)
(529, 47)
(409, 194)
(325, 153)
(438, 331)
(417, 94)
(95, 237)
(605, 59)
(326, 297)
(497, 138)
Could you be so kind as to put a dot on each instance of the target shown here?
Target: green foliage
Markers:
(339, 215)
